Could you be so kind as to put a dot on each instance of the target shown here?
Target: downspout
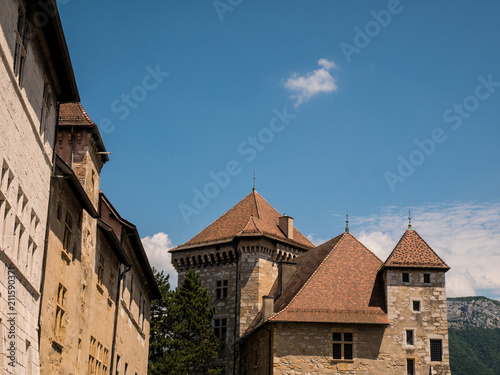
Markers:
(115, 323)
(235, 351)
(47, 228)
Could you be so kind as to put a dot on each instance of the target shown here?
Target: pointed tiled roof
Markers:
(253, 215)
(413, 251)
(337, 282)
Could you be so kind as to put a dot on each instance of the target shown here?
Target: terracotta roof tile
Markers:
(252, 215)
(413, 251)
(337, 281)
(73, 114)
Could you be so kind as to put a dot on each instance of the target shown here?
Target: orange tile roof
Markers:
(337, 282)
(413, 251)
(73, 114)
(253, 215)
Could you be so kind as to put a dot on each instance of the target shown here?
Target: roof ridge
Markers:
(256, 203)
(371, 252)
(312, 275)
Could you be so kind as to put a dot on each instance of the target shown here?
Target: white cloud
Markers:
(313, 237)
(465, 235)
(313, 83)
(156, 248)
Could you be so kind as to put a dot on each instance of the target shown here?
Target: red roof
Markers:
(413, 251)
(253, 215)
(337, 282)
(73, 114)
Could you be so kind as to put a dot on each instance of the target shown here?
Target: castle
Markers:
(285, 306)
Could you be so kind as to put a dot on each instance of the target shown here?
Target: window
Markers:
(342, 345)
(410, 366)
(21, 40)
(60, 311)
(436, 350)
(131, 294)
(143, 312)
(100, 270)
(118, 364)
(221, 289)
(98, 358)
(126, 368)
(416, 305)
(123, 285)
(220, 329)
(68, 229)
(427, 278)
(59, 212)
(92, 356)
(409, 337)
(406, 277)
(45, 106)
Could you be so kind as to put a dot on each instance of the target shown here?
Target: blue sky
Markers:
(363, 106)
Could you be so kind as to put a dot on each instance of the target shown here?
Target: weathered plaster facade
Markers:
(92, 320)
(30, 88)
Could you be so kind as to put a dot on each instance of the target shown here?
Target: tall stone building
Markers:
(237, 258)
(285, 307)
(97, 284)
(35, 76)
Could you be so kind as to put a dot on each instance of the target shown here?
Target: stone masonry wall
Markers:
(25, 162)
(429, 323)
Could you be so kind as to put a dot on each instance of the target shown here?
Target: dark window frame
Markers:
(436, 349)
(343, 346)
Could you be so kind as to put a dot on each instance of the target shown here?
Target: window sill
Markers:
(99, 288)
(57, 346)
(65, 256)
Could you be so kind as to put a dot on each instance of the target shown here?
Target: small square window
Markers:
(416, 305)
(409, 337)
(406, 277)
(427, 278)
(410, 366)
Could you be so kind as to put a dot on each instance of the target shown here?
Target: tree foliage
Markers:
(475, 351)
(181, 336)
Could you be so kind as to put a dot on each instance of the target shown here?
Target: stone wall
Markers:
(428, 323)
(25, 161)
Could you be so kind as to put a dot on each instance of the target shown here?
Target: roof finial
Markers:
(253, 180)
(409, 218)
(347, 222)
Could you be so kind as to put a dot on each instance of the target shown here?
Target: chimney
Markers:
(285, 272)
(286, 226)
(267, 307)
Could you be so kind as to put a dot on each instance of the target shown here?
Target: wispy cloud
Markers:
(313, 83)
(156, 248)
(466, 235)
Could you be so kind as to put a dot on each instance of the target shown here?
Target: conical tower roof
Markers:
(413, 252)
(252, 216)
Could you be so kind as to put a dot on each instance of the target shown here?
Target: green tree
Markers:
(182, 338)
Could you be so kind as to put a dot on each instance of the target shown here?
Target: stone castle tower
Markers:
(237, 258)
